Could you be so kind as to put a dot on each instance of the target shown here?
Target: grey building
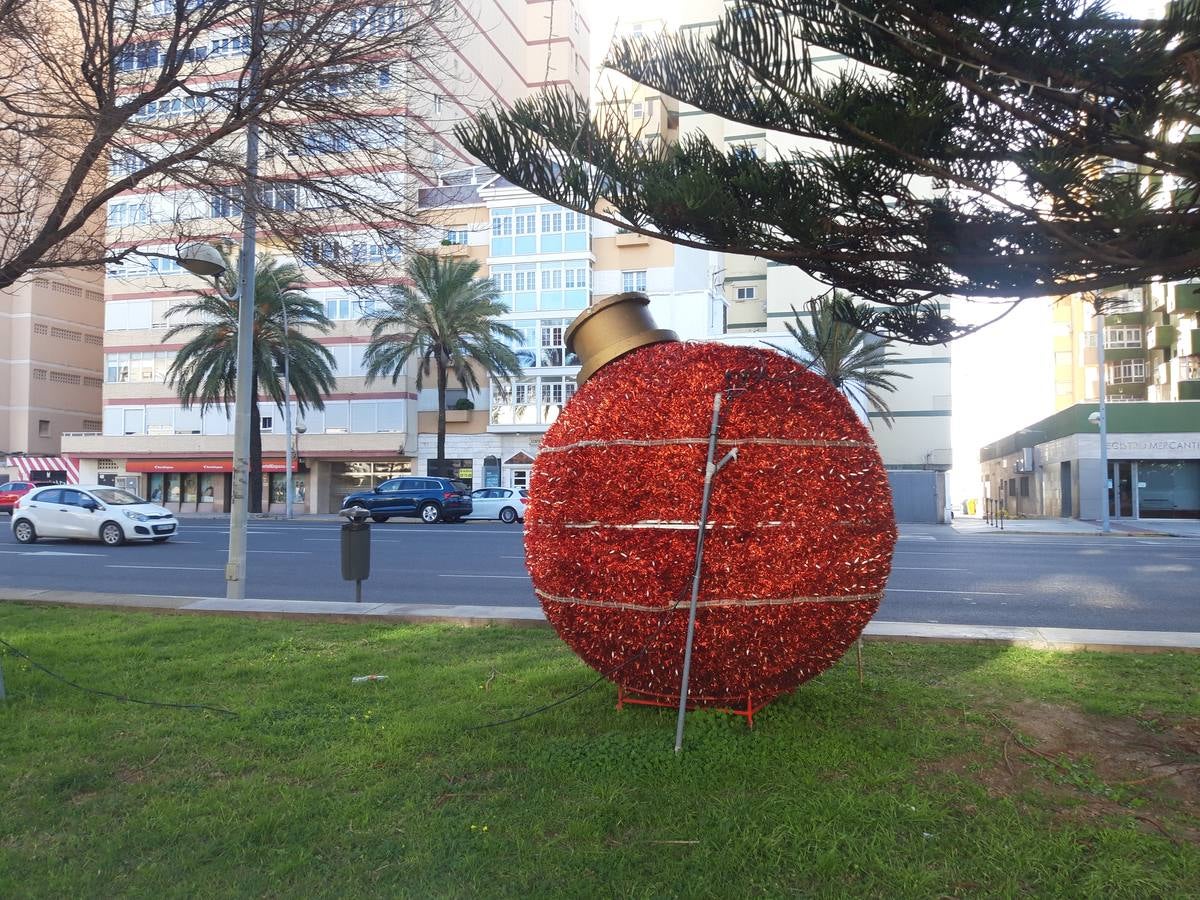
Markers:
(1052, 468)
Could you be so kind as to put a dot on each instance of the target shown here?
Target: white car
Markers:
(505, 504)
(90, 512)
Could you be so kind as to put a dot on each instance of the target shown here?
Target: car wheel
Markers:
(24, 532)
(161, 540)
(111, 534)
(430, 513)
(380, 519)
(508, 515)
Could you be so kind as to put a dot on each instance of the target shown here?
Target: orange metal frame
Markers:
(637, 698)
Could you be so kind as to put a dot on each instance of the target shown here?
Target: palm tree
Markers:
(841, 354)
(445, 318)
(205, 368)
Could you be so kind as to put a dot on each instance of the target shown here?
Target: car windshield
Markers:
(117, 497)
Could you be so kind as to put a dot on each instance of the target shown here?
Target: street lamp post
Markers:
(287, 407)
(1102, 416)
(205, 261)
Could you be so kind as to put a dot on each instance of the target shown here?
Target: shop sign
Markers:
(201, 465)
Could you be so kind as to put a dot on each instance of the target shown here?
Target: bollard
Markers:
(356, 549)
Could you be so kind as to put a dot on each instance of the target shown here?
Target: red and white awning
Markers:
(37, 468)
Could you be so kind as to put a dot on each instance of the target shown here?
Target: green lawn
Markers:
(953, 771)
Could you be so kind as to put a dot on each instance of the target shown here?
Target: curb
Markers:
(1070, 639)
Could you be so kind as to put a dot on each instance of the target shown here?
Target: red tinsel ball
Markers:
(800, 533)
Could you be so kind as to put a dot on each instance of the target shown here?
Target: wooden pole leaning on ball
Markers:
(710, 471)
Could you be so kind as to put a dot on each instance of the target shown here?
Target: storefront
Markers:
(205, 485)
(56, 469)
(1052, 468)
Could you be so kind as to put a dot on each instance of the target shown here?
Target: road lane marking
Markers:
(296, 552)
(893, 590)
(173, 568)
(526, 577)
(48, 553)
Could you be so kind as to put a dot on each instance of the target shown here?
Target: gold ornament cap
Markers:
(610, 329)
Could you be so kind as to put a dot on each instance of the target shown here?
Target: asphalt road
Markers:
(938, 575)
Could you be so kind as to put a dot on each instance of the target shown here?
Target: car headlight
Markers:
(136, 516)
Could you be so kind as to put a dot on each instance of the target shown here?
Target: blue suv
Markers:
(428, 499)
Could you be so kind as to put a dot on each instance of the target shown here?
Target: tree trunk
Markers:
(442, 375)
(254, 497)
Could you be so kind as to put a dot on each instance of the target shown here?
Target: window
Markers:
(633, 281)
(266, 423)
(747, 293)
(368, 21)
(279, 197)
(1024, 485)
(143, 366)
(1123, 336)
(438, 100)
(138, 56)
(502, 223)
(531, 401)
(1126, 371)
(456, 236)
(744, 152)
(130, 212)
(225, 204)
(1089, 339)
(525, 231)
(638, 111)
(43, 428)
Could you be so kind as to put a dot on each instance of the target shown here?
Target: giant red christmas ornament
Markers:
(800, 527)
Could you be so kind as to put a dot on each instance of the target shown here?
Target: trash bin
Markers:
(356, 549)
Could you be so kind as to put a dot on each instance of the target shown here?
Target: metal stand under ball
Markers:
(710, 470)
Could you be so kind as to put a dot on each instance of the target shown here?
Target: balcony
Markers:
(1189, 342)
(1185, 369)
(631, 239)
(1160, 336)
(125, 445)
(1126, 389)
(1184, 298)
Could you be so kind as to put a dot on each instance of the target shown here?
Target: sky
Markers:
(1002, 378)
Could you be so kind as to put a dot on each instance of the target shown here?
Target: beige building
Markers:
(51, 370)
(1151, 346)
(148, 442)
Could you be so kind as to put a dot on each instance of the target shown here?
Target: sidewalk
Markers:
(530, 616)
(1120, 527)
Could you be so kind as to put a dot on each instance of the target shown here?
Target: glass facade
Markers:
(1169, 489)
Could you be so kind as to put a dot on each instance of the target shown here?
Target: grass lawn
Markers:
(955, 770)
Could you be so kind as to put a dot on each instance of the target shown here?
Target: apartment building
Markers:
(148, 442)
(549, 264)
(1151, 346)
(51, 370)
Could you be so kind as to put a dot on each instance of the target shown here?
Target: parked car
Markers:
(428, 499)
(90, 512)
(12, 491)
(505, 504)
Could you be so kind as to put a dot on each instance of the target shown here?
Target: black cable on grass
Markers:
(87, 690)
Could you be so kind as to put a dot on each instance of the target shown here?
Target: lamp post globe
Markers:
(202, 260)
